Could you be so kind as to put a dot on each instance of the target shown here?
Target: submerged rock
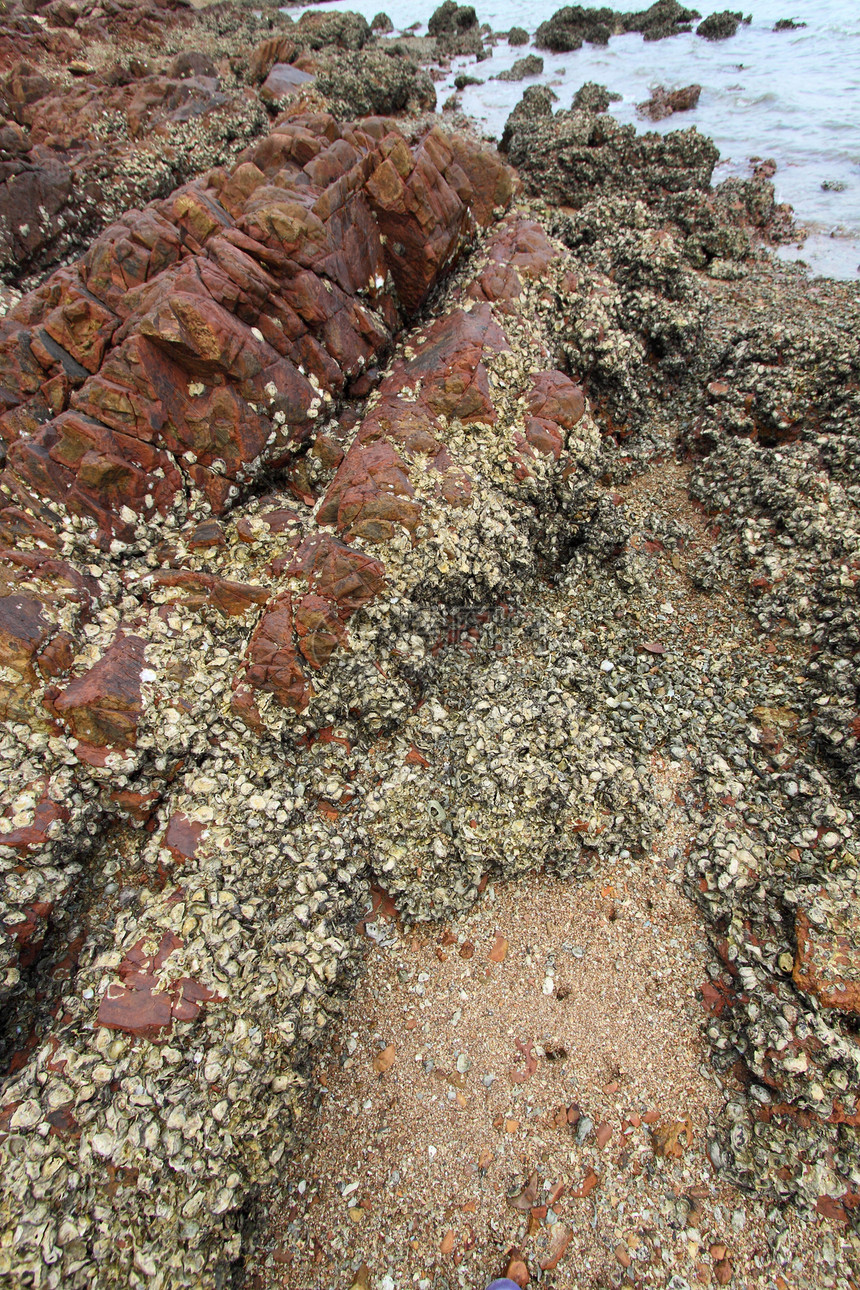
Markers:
(663, 103)
(531, 65)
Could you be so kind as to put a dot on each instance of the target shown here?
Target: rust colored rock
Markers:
(143, 1005)
(272, 665)
(104, 706)
(663, 103)
(200, 338)
(827, 963)
(277, 49)
(207, 534)
(339, 581)
(346, 578)
(182, 836)
(23, 631)
(232, 599)
(554, 397)
(135, 806)
(519, 249)
(489, 179)
(137, 1010)
(319, 630)
(46, 813)
(424, 219)
(454, 381)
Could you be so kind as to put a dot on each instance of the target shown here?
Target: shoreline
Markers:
(289, 455)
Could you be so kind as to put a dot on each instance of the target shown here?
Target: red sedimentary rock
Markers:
(144, 1004)
(104, 706)
(182, 836)
(827, 963)
(201, 338)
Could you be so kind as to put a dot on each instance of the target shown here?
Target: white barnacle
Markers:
(195, 388)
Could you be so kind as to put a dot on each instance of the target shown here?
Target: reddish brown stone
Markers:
(272, 666)
(520, 249)
(554, 397)
(319, 630)
(185, 335)
(103, 707)
(206, 535)
(139, 1005)
(23, 632)
(182, 836)
(135, 806)
(47, 812)
(232, 599)
(827, 963)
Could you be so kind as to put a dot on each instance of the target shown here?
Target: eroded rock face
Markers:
(62, 176)
(203, 340)
(78, 151)
(569, 156)
(200, 342)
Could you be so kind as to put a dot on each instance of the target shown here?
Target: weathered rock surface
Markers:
(663, 103)
(569, 28)
(567, 156)
(77, 151)
(319, 242)
(720, 26)
(256, 532)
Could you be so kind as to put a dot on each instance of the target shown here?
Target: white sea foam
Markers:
(791, 95)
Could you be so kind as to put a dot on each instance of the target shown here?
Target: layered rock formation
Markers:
(103, 109)
(176, 671)
(257, 524)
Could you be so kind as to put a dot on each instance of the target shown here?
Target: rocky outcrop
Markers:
(591, 97)
(569, 28)
(720, 26)
(567, 156)
(663, 103)
(531, 65)
(200, 342)
(62, 177)
(373, 83)
(78, 150)
(456, 31)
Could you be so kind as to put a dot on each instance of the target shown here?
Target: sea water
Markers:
(793, 96)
